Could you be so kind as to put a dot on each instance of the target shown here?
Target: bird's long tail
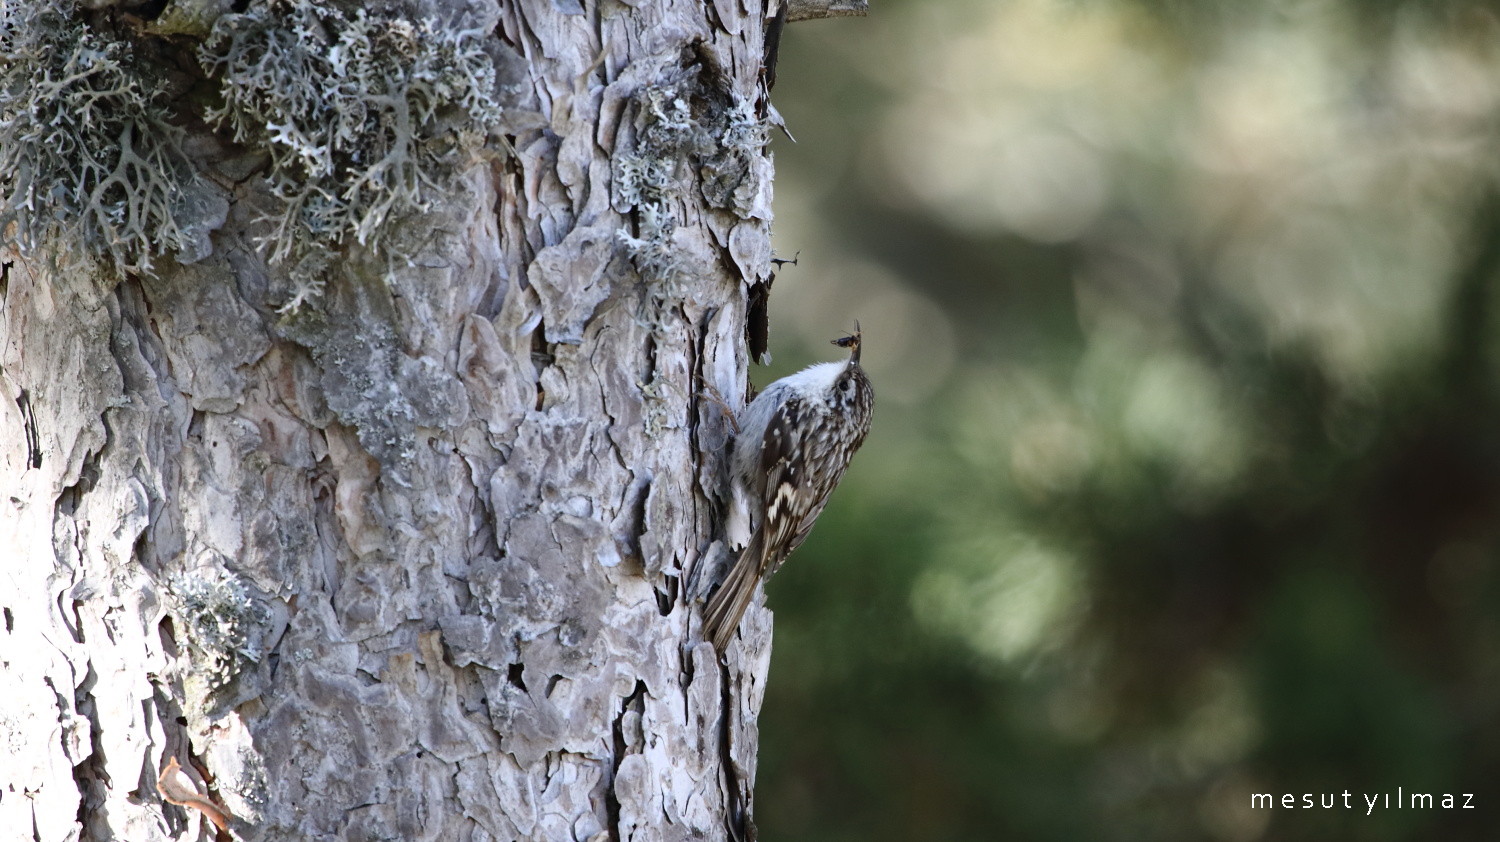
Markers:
(727, 605)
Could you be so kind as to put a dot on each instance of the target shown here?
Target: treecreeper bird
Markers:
(795, 440)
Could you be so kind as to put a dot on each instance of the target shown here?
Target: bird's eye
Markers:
(843, 385)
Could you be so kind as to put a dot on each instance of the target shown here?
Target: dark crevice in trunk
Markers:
(737, 814)
(634, 702)
(88, 773)
(514, 674)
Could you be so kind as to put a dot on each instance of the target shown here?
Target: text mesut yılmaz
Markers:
(1329, 800)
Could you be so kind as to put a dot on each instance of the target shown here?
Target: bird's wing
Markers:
(794, 493)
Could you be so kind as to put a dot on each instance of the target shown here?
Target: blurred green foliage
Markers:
(1185, 477)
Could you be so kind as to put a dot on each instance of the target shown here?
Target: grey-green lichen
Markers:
(645, 179)
(361, 114)
(90, 162)
(658, 396)
(682, 122)
(223, 623)
(730, 179)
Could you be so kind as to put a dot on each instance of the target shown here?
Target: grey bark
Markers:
(814, 9)
(411, 559)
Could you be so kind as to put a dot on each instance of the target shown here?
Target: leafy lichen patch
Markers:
(89, 156)
(361, 114)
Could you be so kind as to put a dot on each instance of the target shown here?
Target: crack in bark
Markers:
(515, 674)
(88, 773)
(638, 495)
(33, 434)
(543, 356)
(771, 45)
(69, 499)
(696, 412)
(758, 317)
(631, 703)
(665, 599)
(737, 817)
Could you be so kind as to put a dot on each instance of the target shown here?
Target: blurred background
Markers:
(1185, 476)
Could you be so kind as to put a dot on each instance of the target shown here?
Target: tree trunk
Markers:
(358, 462)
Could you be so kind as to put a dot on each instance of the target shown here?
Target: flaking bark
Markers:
(407, 553)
